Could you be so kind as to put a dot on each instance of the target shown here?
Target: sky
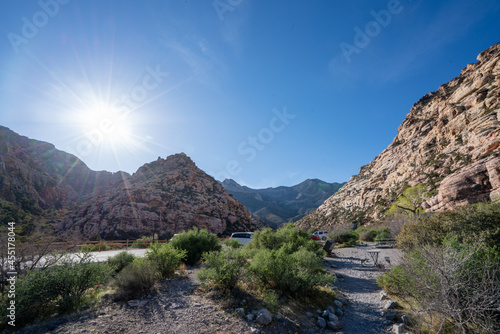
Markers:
(267, 93)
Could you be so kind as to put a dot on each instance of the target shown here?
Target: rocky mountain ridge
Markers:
(449, 142)
(38, 182)
(276, 206)
(164, 197)
(48, 189)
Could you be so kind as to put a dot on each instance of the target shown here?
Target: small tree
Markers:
(410, 202)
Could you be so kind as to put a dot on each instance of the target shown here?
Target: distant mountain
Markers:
(50, 190)
(280, 205)
(446, 154)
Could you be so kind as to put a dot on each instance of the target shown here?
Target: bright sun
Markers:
(105, 123)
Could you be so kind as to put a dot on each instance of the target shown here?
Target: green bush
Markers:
(383, 235)
(289, 273)
(223, 268)
(344, 235)
(196, 242)
(231, 243)
(120, 261)
(287, 235)
(166, 257)
(61, 288)
(472, 223)
(136, 279)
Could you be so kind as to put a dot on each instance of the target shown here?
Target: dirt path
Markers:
(363, 314)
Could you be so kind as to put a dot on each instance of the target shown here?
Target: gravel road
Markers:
(363, 314)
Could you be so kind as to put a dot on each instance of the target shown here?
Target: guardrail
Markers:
(120, 244)
(100, 244)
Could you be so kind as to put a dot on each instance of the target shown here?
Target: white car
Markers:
(322, 235)
(242, 237)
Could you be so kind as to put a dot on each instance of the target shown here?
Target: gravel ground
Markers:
(359, 284)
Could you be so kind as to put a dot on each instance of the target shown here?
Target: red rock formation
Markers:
(163, 197)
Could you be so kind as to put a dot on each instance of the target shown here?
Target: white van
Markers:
(321, 235)
(242, 237)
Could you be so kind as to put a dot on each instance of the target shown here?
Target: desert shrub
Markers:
(287, 235)
(136, 279)
(196, 242)
(271, 300)
(367, 235)
(344, 235)
(61, 288)
(231, 243)
(395, 223)
(142, 242)
(120, 261)
(223, 268)
(166, 258)
(456, 283)
(472, 223)
(289, 272)
(382, 235)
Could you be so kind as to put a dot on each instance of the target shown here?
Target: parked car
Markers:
(314, 237)
(242, 237)
(322, 235)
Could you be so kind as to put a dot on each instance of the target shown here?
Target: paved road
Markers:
(104, 255)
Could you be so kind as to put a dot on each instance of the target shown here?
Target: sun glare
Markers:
(104, 121)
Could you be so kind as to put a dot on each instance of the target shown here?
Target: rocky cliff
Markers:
(36, 178)
(449, 143)
(164, 197)
(280, 205)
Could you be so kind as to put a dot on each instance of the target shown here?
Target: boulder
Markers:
(321, 322)
(390, 304)
(265, 317)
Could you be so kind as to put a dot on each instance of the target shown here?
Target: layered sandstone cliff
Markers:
(449, 142)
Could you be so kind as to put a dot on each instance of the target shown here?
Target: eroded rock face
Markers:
(165, 197)
(36, 176)
(474, 183)
(449, 142)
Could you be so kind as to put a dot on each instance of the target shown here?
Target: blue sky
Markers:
(266, 92)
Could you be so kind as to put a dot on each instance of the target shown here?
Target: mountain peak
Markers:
(449, 143)
(280, 205)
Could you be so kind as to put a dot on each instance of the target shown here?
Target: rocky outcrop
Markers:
(163, 197)
(449, 142)
(478, 182)
(35, 176)
(280, 205)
